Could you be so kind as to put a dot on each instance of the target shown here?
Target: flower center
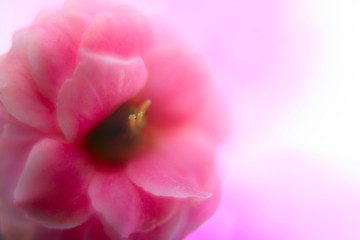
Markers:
(118, 136)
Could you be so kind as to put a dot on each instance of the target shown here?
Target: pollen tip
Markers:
(132, 116)
(139, 119)
(132, 122)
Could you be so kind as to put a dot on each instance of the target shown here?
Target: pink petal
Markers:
(15, 130)
(171, 229)
(117, 201)
(122, 31)
(18, 91)
(16, 230)
(179, 166)
(178, 85)
(125, 207)
(13, 155)
(198, 212)
(155, 210)
(99, 84)
(92, 229)
(188, 217)
(52, 189)
(53, 46)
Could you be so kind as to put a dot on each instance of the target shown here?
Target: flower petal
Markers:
(178, 85)
(116, 199)
(190, 215)
(99, 84)
(125, 207)
(92, 229)
(200, 211)
(53, 186)
(155, 210)
(13, 154)
(122, 31)
(16, 230)
(53, 47)
(16, 141)
(18, 91)
(179, 166)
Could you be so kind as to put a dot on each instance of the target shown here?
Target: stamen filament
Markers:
(136, 121)
(144, 106)
(139, 119)
(132, 122)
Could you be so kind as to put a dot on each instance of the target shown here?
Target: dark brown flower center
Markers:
(118, 136)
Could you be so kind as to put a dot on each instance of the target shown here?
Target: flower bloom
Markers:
(108, 129)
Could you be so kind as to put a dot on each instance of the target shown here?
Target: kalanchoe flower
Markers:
(107, 130)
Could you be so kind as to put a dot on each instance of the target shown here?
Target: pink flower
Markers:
(108, 129)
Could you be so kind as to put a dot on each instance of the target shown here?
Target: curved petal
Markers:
(18, 91)
(53, 47)
(53, 186)
(197, 212)
(16, 230)
(92, 229)
(171, 229)
(15, 130)
(178, 85)
(115, 198)
(99, 84)
(191, 214)
(13, 155)
(122, 31)
(155, 210)
(179, 166)
(125, 207)
(16, 141)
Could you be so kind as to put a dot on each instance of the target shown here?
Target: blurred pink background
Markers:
(289, 72)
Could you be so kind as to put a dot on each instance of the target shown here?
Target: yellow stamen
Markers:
(144, 106)
(139, 119)
(136, 121)
(132, 122)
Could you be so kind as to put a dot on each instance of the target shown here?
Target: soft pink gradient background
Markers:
(270, 58)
